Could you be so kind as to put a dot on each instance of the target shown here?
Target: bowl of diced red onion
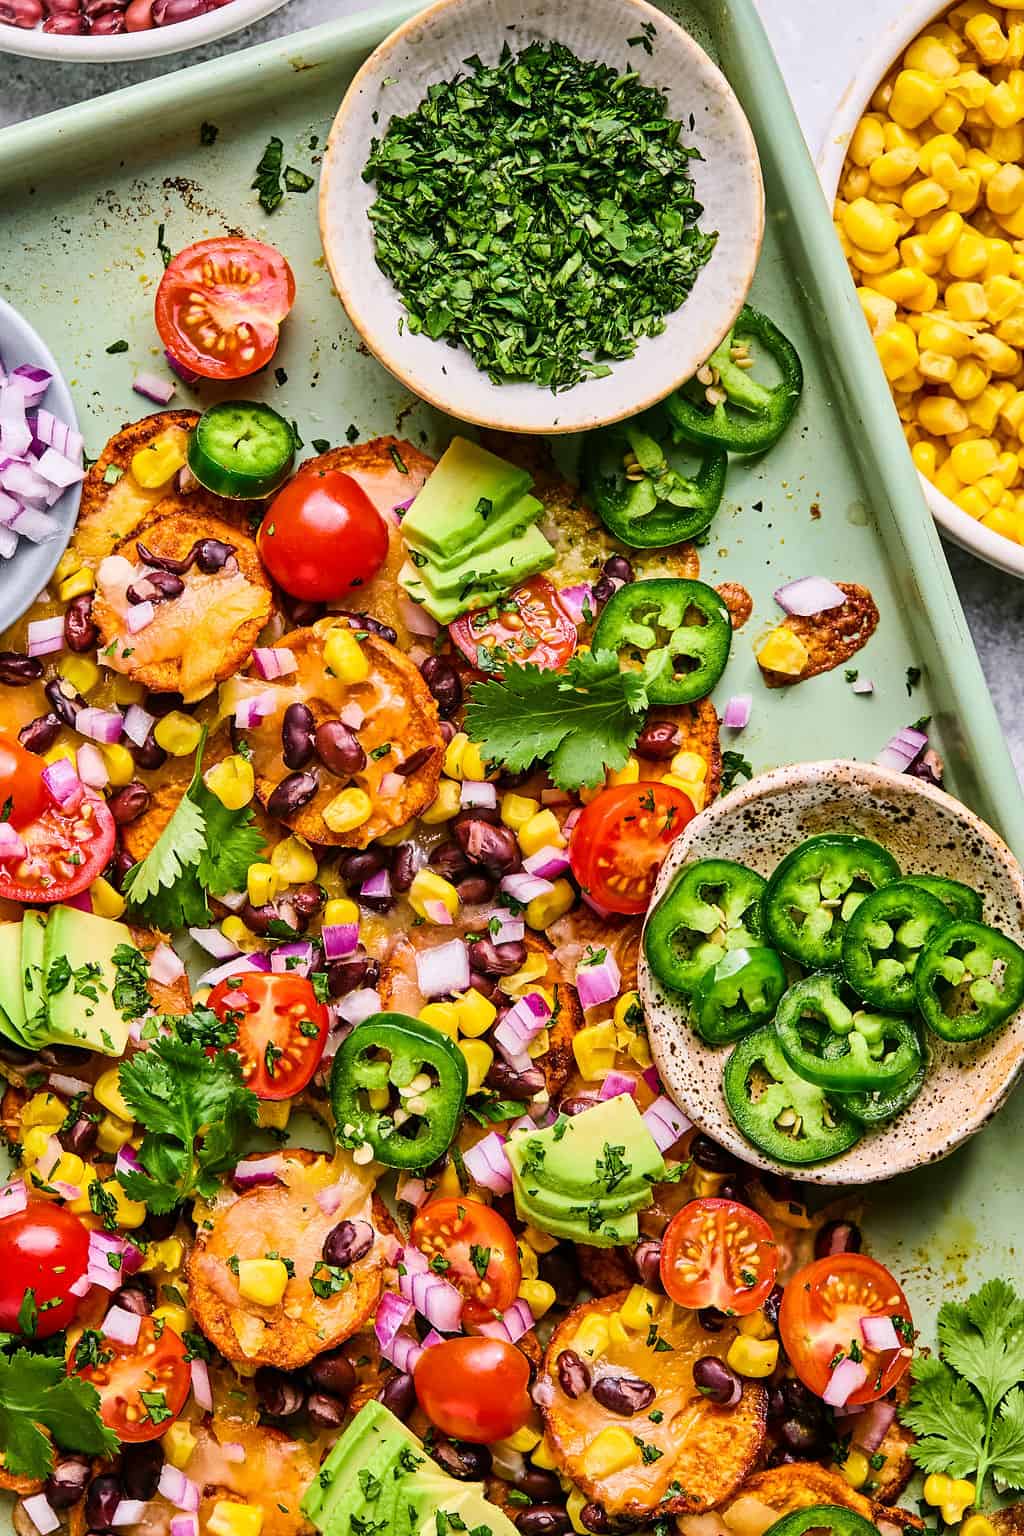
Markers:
(41, 469)
(99, 31)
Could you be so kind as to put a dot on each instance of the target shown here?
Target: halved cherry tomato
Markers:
(820, 1323)
(322, 536)
(474, 1388)
(619, 843)
(528, 625)
(45, 1249)
(473, 1247)
(719, 1253)
(66, 852)
(220, 304)
(22, 791)
(282, 1029)
(142, 1386)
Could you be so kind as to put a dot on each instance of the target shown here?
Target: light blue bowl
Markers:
(26, 573)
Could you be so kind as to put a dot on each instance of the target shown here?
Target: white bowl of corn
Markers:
(923, 162)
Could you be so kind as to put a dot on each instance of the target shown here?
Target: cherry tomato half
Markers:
(142, 1386)
(719, 1253)
(528, 625)
(282, 1029)
(23, 794)
(820, 1318)
(220, 304)
(66, 852)
(479, 1248)
(45, 1249)
(474, 1388)
(619, 843)
(322, 536)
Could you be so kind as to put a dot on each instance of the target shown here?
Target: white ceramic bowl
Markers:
(928, 832)
(151, 44)
(432, 47)
(26, 573)
(908, 20)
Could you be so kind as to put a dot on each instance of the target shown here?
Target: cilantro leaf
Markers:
(233, 842)
(947, 1417)
(1007, 1448)
(178, 848)
(582, 721)
(36, 1394)
(983, 1339)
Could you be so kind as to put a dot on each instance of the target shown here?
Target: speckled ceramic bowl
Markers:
(929, 833)
(433, 46)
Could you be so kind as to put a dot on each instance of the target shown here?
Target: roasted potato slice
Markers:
(206, 634)
(767, 1496)
(274, 1473)
(287, 1219)
(692, 1458)
(830, 637)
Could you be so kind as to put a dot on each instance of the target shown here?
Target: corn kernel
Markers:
(44, 1109)
(294, 861)
(539, 1296)
(629, 773)
(345, 657)
(946, 481)
(972, 90)
(473, 766)
(753, 1357)
(107, 1092)
(966, 301)
(156, 464)
(262, 1280)
(933, 57)
(970, 461)
(871, 264)
(915, 96)
(543, 1456)
(544, 910)
(478, 1057)
(179, 1442)
(867, 142)
(894, 167)
(575, 1504)
(340, 912)
(231, 1518)
(454, 753)
(541, 831)
(936, 368)
(127, 1213)
(429, 887)
(970, 380)
(995, 354)
(629, 1011)
(106, 901)
(1005, 192)
(968, 256)
(1003, 105)
(951, 1495)
(756, 1326)
(262, 884)
(448, 1184)
(69, 562)
(855, 1470)
(525, 1439)
(897, 350)
(879, 311)
(234, 929)
(476, 1013)
(924, 197)
(177, 733)
(949, 117)
(78, 585)
(856, 183)
(977, 1525)
(232, 781)
(783, 651)
(443, 1017)
(273, 1114)
(1010, 524)
(925, 459)
(640, 1308)
(175, 1317)
(991, 43)
(971, 501)
(351, 809)
(964, 195)
(445, 804)
(516, 810)
(594, 1048)
(941, 416)
(120, 764)
(869, 228)
(112, 1133)
(527, 1260)
(610, 1451)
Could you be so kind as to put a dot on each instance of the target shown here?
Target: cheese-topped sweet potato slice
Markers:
(690, 1456)
(288, 1221)
(767, 1496)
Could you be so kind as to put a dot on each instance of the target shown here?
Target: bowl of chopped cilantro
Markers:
(541, 216)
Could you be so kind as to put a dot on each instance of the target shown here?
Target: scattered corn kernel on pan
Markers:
(838, 496)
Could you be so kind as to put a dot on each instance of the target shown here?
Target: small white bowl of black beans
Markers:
(105, 31)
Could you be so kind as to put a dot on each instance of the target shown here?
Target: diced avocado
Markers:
(12, 996)
(465, 1509)
(552, 1202)
(376, 1442)
(80, 976)
(504, 566)
(611, 1232)
(500, 528)
(468, 487)
(33, 938)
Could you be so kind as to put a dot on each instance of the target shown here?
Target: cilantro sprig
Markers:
(581, 722)
(36, 1394)
(966, 1404)
(204, 850)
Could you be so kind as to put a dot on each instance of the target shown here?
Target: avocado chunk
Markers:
(33, 938)
(83, 960)
(12, 996)
(374, 1442)
(610, 1232)
(500, 527)
(479, 580)
(468, 487)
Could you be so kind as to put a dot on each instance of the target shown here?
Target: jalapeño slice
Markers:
(961, 900)
(640, 489)
(823, 1517)
(816, 889)
(737, 994)
(779, 1112)
(752, 417)
(879, 1108)
(385, 1054)
(832, 1046)
(677, 631)
(884, 939)
(241, 448)
(711, 907)
(969, 980)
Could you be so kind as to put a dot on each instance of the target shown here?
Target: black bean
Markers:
(577, 1103)
(647, 1261)
(258, 919)
(625, 1395)
(65, 705)
(414, 762)
(717, 1381)
(118, 867)
(212, 555)
(80, 633)
(307, 899)
(493, 848)
(350, 972)
(511, 1084)
(339, 748)
(374, 626)
(167, 562)
(450, 861)
(297, 735)
(594, 1518)
(837, 1237)
(771, 1305)
(543, 1520)
(488, 813)
(398, 1395)
(15, 1055)
(444, 683)
(325, 1411)
(292, 794)
(161, 1224)
(660, 739)
(150, 755)
(158, 586)
(448, 731)
(129, 803)
(707, 1154)
(18, 670)
(104, 1495)
(137, 1295)
(475, 889)
(711, 1320)
(333, 1373)
(300, 612)
(279, 1394)
(141, 1465)
(539, 1486)
(80, 1138)
(403, 867)
(573, 1374)
(461, 1459)
(68, 1481)
(347, 1242)
(497, 959)
(41, 733)
(160, 704)
(618, 568)
(603, 589)
(800, 1435)
(485, 985)
(357, 867)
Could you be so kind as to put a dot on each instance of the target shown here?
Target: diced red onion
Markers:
(138, 617)
(40, 1512)
(522, 1024)
(186, 374)
(57, 434)
(873, 1425)
(737, 711)
(257, 1172)
(274, 661)
(138, 723)
(66, 1190)
(8, 542)
(32, 381)
(165, 967)
(45, 636)
(63, 785)
(378, 884)
(595, 906)
(879, 1333)
(548, 863)
(238, 966)
(121, 1325)
(13, 1197)
(578, 602)
(25, 485)
(598, 982)
(358, 1006)
(15, 432)
(434, 1298)
(393, 1313)
(330, 1198)
(652, 1080)
(201, 1390)
(187, 1525)
(543, 1392)
(511, 1325)
(352, 715)
(128, 1512)
(58, 470)
(92, 770)
(902, 750)
(233, 1451)
(153, 388)
(666, 1122)
(809, 595)
(523, 887)
(35, 526)
(214, 942)
(292, 959)
(178, 1489)
(847, 1378)
(127, 1160)
(502, 928)
(11, 845)
(70, 1086)
(477, 792)
(616, 1083)
(488, 1165)
(106, 725)
(102, 1244)
(443, 969)
(249, 712)
(404, 1353)
(436, 912)
(416, 618)
(82, 902)
(863, 685)
(339, 939)
(82, 1286)
(391, 784)
(411, 1191)
(413, 1260)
